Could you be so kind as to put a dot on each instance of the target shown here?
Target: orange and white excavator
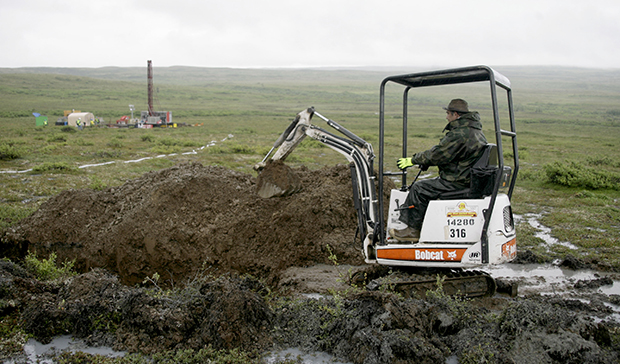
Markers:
(462, 230)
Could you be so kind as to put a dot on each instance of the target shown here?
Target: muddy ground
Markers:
(240, 266)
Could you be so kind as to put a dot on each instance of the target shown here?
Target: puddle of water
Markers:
(295, 353)
(547, 279)
(35, 351)
(544, 233)
(316, 296)
(613, 289)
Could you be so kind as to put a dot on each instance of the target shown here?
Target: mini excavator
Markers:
(461, 231)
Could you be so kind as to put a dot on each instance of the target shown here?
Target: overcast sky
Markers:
(291, 33)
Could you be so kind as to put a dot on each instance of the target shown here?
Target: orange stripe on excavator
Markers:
(420, 254)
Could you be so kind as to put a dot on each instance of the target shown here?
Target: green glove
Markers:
(404, 163)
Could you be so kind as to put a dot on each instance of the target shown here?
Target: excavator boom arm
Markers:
(357, 151)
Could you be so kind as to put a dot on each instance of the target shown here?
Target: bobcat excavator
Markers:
(461, 231)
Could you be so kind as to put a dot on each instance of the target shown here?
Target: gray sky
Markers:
(291, 33)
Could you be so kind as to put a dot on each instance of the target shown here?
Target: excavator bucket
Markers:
(277, 179)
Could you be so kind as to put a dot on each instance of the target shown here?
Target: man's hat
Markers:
(458, 105)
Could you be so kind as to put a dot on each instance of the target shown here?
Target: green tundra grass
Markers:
(568, 125)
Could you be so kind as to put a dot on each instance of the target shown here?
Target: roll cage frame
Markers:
(441, 78)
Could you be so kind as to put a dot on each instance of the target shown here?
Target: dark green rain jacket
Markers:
(458, 150)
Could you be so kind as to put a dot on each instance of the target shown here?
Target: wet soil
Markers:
(256, 274)
(172, 221)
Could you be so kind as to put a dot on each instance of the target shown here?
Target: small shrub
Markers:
(54, 167)
(166, 149)
(530, 175)
(168, 142)
(57, 139)
(50, 148)
(147, 138)
(97, 184)
(591, 195)
(10, 215)
(9, 152)
(115, 143)
(216, 150)
(573, 174)
(47, 269)
(83, 143)
(107, 154)
(600, 160)
(191, 144)
(241, 149)
(585, 194)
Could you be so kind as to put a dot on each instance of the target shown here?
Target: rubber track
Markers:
(455, 283)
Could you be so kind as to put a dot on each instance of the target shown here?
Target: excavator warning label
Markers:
(438, 255)
(509, 249)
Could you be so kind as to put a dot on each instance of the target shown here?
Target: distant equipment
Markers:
(152, 117)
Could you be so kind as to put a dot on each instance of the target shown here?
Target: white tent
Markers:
(86, 118)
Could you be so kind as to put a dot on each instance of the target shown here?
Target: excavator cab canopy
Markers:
(453, 76)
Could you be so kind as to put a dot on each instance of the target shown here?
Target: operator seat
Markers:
(482, 177)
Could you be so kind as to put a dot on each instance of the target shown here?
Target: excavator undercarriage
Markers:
(463, 283)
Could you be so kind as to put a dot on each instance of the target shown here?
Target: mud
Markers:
(241, 271)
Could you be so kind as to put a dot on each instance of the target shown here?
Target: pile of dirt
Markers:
(173, 221)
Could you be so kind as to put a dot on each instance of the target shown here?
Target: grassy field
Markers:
(568, 124)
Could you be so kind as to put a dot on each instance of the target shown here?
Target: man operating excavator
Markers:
(455, 155)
